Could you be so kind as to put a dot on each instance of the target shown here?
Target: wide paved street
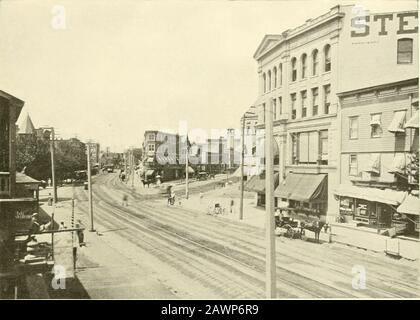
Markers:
(215, 257)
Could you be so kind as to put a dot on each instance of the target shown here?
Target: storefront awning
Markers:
(303, 187)
(149, 173)
(399, 163)
(165, 159)
(413, 123)
(397, 123)
(410, 205)
(374, 164)
(150, 160)
(387, 196)
(257, 183)
(190, 170)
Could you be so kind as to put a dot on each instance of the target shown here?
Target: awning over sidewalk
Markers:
(23, 178)
(190, 170)
(413, 122)
(410, 205)
(169, 159)
(257, 183)
(374, 163)
(303, 187)
(399, 163)
(387, 196)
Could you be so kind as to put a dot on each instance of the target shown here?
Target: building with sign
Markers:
(302, 70)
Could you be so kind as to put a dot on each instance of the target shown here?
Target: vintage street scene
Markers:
(209, 150)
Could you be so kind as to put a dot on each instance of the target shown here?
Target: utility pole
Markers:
(52, 151)
(241, 208)
(186, 170)
(92, 229)
(269, 207)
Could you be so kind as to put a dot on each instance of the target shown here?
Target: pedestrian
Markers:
(80, 234)
(50, 200)
(125, 200)
(232, 203)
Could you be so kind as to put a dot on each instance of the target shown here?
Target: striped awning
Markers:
(166, 159)
(149, 173)
(387, 196)
(410, 205)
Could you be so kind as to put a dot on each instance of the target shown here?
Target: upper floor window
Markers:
(274, 108)
(263, 112)
(280, 74)
(280, 106)
(315, 102)
(327, 58)
(315, 62)
(405, 51)
(327, 102)
(304, 66)
(294, 70)
(375, 125)
(275, 77)
(151, 137)
(323, 145)
(151, 147)
(353, 127)
(304, 106)
(269, 80)
(293, 105)
(353, 171)
(264, 83)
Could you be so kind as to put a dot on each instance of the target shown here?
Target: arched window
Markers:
(303, 60)
(275, 77)
(269, 80)
(405, 51)
(314, 62)
(264, 83)
(294, 70)
(280, 74)
(327, 58)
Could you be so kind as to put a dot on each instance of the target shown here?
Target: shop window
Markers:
(293, 106)
(327, 58)
(315, 62)
(294, 69)
(315, 102)
(353, 170)
(346, 206)
(304, 106)
(304, 67)
(405, 51)
(375, 125)
(353, 127)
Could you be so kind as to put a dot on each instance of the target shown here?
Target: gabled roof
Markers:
(23, 178)
(15, 102)
(27, 126)
(269, 41)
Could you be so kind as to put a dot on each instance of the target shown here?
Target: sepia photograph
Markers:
(214, 150)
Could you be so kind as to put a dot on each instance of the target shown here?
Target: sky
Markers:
(108, 70)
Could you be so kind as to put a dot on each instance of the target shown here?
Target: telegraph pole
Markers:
(52, 151)
(269, 207)
(241, 208)
(92, 229)
(186, 170)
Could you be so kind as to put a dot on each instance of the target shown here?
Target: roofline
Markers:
(376, 87)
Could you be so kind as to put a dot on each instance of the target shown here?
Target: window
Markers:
(375, 125)
(304, 66)
(151, 147)
(327, 58)
(405, 51)
(353, 128)
(293, 107)
(264, 83)
(294, 148)
(274, 108)
(304, 106)
(315, 101)
(353, 165)
(263, 111)
(280, 106)
(315, 62)
(275, 77)
(307, 147)
(327, 90)
(269, 80)
(323, 137)
(294, 70)
(280, 74)
(151, 137)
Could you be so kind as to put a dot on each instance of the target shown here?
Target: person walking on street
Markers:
(125, 201)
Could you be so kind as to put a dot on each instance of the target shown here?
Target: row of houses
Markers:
(342, 90)
(164, 155)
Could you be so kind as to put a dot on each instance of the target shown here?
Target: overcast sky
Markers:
(120, 67)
